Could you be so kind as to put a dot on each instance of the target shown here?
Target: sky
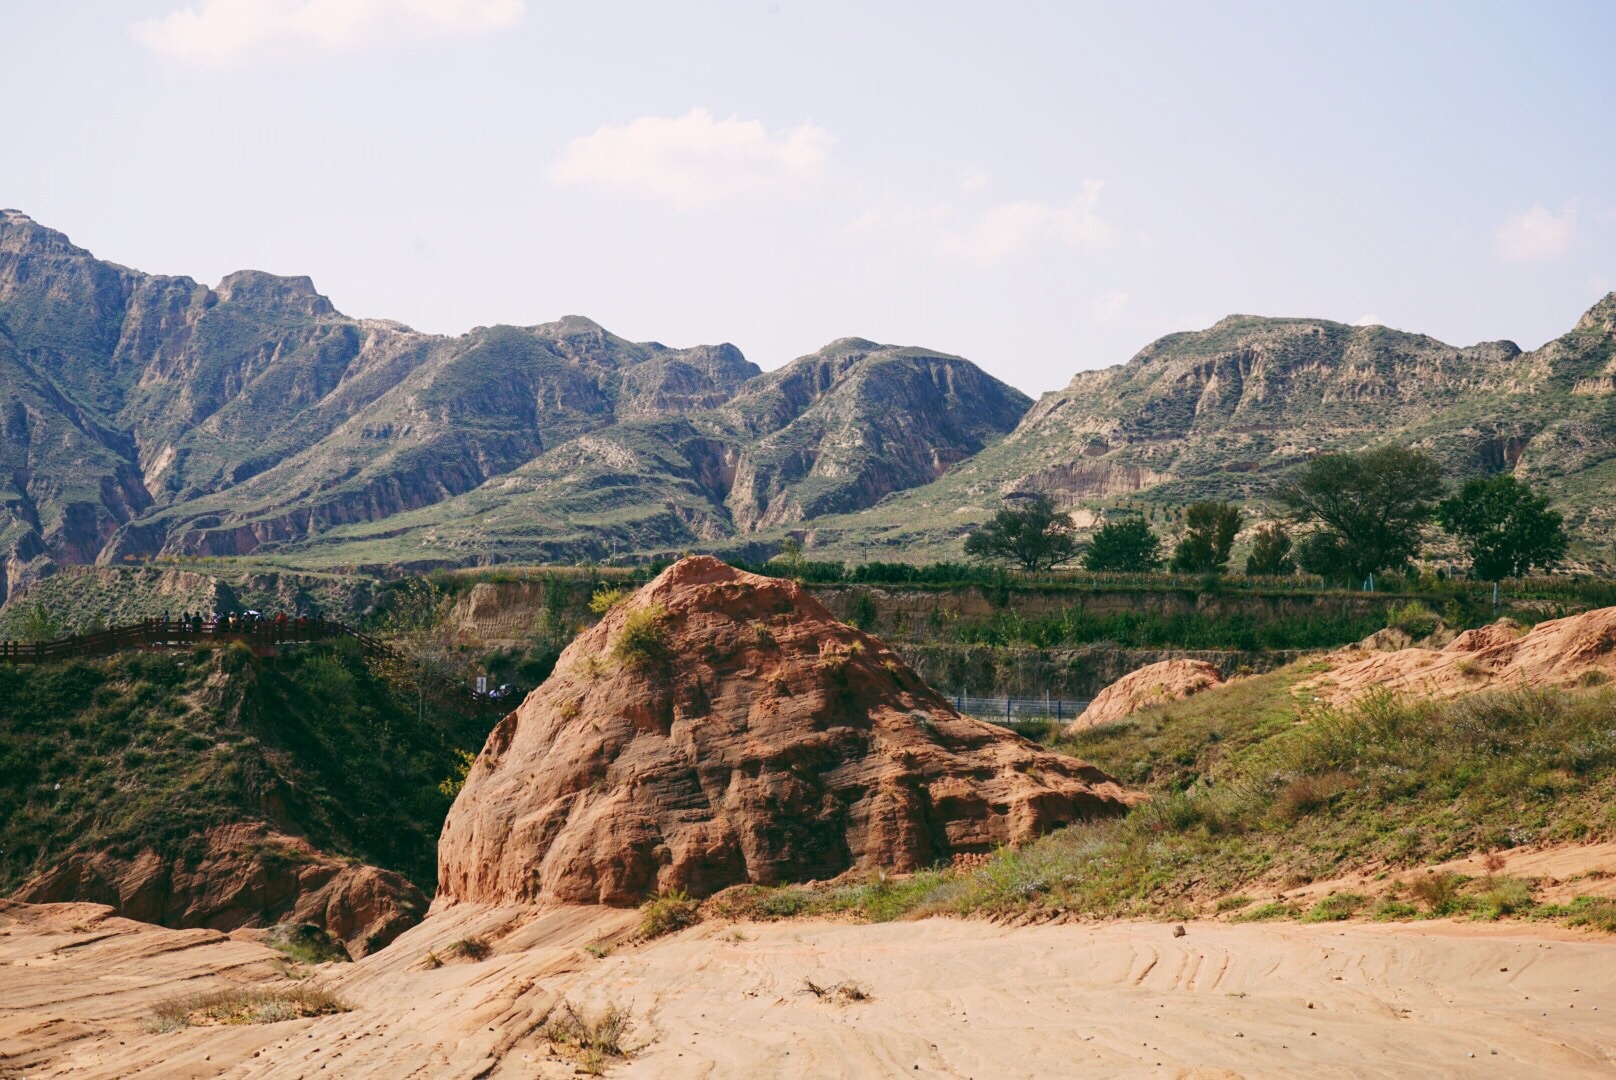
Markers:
(1041, 187)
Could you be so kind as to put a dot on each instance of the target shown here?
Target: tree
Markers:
(1271, 551)
(38, 624)
(1209, 533)
(426, 654)
(1504, 528)
(1126, 545)
(1033, 536)
(1368, 509)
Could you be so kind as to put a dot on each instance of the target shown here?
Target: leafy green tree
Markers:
(1210, 529)
(38, 624)
(1271, 552)
(1033, 536)
(1128, 545)
(1368, 509)
(427, 655)
(1504, 527)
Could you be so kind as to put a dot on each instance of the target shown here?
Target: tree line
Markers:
(1343, 516)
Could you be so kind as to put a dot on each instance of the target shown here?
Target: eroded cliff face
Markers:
(719, 728)
(248, 875)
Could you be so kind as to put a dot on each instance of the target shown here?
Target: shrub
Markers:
(605, 598)
(667, 913)
(644, 637)
(1438, 891)
(451, 784)
(1413, 618)
(472, 948)
(592, 1039)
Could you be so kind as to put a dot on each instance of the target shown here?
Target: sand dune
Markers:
(949, 999)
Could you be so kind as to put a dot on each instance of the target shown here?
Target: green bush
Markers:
(643, 639)
(669, 912)
(1413, 618)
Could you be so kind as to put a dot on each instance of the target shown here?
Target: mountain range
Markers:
(145, 415)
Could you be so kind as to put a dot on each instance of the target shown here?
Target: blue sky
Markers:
(1043, 188)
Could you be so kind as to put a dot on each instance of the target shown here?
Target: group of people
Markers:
(279, 627)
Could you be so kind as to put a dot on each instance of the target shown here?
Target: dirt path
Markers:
(949, 999)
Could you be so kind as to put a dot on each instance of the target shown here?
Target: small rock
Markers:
(1179, 931)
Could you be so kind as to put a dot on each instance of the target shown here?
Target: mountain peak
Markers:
(19, 232)
(264, 290)
(1602, 316)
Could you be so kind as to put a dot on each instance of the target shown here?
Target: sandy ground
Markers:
(949, 999)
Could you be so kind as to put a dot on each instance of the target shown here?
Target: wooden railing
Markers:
(155, 634)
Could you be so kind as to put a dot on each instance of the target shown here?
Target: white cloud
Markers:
(697, 162)
(217, 33)
(1536, 235)
(1369, 320)
(1108, 306)
(996, 233)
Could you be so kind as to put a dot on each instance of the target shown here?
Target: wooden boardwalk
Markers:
(263, 636)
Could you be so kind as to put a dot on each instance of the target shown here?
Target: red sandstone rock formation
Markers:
(248, 876)
(752, 738)
(1153, 684)
(1580, 649)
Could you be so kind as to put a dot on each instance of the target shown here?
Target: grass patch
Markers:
(1336, 907)
(307, 944)
(244, 1006)
(1500, 896)
(1597, 913)
(1389, 784)
(1269, 912)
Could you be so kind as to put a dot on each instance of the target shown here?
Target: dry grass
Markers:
(244, 1005)
(1307, 794)
(846, 992)
(591, 1040)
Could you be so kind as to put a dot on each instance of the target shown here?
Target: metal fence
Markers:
(1010, 709)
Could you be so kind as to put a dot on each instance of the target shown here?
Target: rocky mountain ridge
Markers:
(1216, 413)
(145, 414)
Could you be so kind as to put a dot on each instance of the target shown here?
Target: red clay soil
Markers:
(248, 876)
(1153, 684)
(758, 740)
